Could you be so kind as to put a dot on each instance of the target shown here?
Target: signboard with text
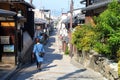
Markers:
(8, 48)
(4, 39)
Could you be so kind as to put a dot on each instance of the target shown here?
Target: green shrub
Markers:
(66, 51)
(83, 37)
(118, 55)
(104, 37)
(108, 26)
(119, 68)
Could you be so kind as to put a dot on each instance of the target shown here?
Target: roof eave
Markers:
(95, 6)
(7, 13)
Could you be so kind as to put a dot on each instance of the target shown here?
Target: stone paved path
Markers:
(57, 66)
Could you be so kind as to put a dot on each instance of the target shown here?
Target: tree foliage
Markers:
(83, 37)
(108, 25)
(105, 37)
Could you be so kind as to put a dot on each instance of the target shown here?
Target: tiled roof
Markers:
(94, 6)
(97, 5)
(7, 13)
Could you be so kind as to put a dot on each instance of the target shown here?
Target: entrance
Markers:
(7, 42)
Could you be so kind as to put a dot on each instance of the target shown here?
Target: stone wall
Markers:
(99, 63)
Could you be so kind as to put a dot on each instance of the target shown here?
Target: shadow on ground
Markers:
(71, 74)
(49, 57)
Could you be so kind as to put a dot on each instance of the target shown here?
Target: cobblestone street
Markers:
(59, 40)
(57, 66)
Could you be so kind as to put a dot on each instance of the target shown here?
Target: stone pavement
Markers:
(5, 70)
(8, 67)
(57, 66)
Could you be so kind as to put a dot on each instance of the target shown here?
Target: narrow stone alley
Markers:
(57, 66)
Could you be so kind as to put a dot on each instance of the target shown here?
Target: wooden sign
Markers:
(4, 39)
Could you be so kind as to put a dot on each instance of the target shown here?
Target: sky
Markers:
(56, 6)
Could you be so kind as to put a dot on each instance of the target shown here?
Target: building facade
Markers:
(13, 28)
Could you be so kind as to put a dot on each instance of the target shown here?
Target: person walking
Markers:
(37, 49)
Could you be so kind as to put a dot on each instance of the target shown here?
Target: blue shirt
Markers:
(38, 48)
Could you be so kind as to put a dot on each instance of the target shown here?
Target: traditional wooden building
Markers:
(25, 9)
(93, 8)
(7, 35)
(18, 18)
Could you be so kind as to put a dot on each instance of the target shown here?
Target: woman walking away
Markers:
(37, 49)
